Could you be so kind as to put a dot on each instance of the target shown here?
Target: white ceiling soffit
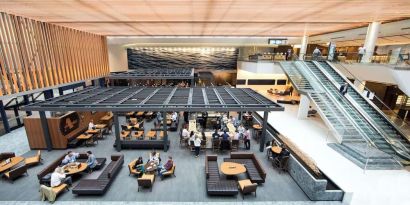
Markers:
(390, 33)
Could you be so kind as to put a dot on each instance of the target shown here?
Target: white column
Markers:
(303, 48)
(370, 42)
(303, 107)
(359, 85)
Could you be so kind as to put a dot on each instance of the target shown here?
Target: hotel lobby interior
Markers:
(204, 102)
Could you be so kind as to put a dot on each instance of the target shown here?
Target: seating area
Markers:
(254, 170)
(215, 185)
(13, 167)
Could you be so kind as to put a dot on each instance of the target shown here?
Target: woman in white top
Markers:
(197, 144)
(91, 125)
(58, 177)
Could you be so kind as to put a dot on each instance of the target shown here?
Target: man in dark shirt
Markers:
(168, 166)
(225, 136)
(216, 135)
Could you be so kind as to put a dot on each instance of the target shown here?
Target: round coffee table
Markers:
(70, 169)
(231, 168)
(151, 167)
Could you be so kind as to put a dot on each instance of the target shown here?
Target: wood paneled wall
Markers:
(35, 55)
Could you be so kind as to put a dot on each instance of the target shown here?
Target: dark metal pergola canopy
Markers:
(125, 99)
(155, 73)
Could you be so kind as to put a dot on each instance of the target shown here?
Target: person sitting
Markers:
(168, 166)
(154, 157)
(91, 125)
(71, 157)
(216, 135)
(174, 116)
(58, 177)
(139, 165)
(284, 153)
(91, 161)
(225, 136)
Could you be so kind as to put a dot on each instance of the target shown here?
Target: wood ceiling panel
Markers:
(207, 17)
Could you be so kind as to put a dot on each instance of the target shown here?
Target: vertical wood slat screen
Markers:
(35, 55)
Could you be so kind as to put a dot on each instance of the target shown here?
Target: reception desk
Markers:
(61, 128)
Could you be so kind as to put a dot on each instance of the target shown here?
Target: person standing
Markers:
(344, 88)
(197, 144)
(247, 139)
(290, 90)
(316, 54)
(205, 119)
(91, 125)
(361, 51)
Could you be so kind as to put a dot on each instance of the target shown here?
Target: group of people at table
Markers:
(59, 175)
(225, 135)
(154, 163)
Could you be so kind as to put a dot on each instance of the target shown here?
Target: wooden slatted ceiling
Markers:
(210, 17)
(35, 55)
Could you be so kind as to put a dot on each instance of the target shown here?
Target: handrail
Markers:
(372, 123)
(379, 100)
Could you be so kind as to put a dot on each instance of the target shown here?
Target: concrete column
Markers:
(303, 107)
(370, 42)
(303, 48)
(359, 85)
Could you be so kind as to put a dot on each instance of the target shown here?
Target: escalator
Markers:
(372, 111)
(358, 140)
(372, 132)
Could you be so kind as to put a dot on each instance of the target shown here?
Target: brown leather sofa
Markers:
(16, 172)
(253, 167)
(100, 185)
(6, 155)
(215, 185)
(143, 144)
(44, 176)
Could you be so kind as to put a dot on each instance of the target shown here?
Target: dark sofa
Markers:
(253, 167)
(100, 185)
(6, 155)
(44, 175)
(143, 144)
(215, 185)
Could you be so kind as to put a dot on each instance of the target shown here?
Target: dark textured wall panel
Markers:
(177, 57)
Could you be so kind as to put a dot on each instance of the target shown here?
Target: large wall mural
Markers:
(215, 58)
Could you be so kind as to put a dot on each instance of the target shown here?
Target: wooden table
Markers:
(276, 149)
(124, 134)
(69, 170)
(129, 114)
(231, 168)
(133, 120)
(138, 134)
(84, 137)
(140, 114)
(96, 131)
(106, 118)
(151, 134)
(136, 126)
(161, 134)
(100, 126)
(257, 126)
(13, 162)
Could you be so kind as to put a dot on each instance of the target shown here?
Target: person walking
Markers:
(247, 139)
(361, 51)
(316, 54)
(197, 144)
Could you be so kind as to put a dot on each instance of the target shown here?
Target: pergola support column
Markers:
(264, 126)
(164, 126)
(46, 130)
(4, 117)
(117, 132)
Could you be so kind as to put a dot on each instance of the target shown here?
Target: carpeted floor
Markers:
(187, 186)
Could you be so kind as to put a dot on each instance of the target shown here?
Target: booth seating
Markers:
(100, 185)
(16, 172)
(6, 155)
(253, 167)
(44, 176)
(73, 142)
(143, 144)
(215, 185)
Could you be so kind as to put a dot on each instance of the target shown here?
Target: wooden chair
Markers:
(125, 128)
(203, 145)
(216, 145)
(16, 172)
(234, 145)
(171, 172)
(132, 170)
(50, 193)
(146, 181)
(34, 160)
(281, 163)
(247, 187)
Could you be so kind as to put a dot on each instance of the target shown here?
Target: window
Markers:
(241, 81)
(281, 82)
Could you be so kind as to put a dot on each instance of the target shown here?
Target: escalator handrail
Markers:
(371, 103)
(371, 122)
